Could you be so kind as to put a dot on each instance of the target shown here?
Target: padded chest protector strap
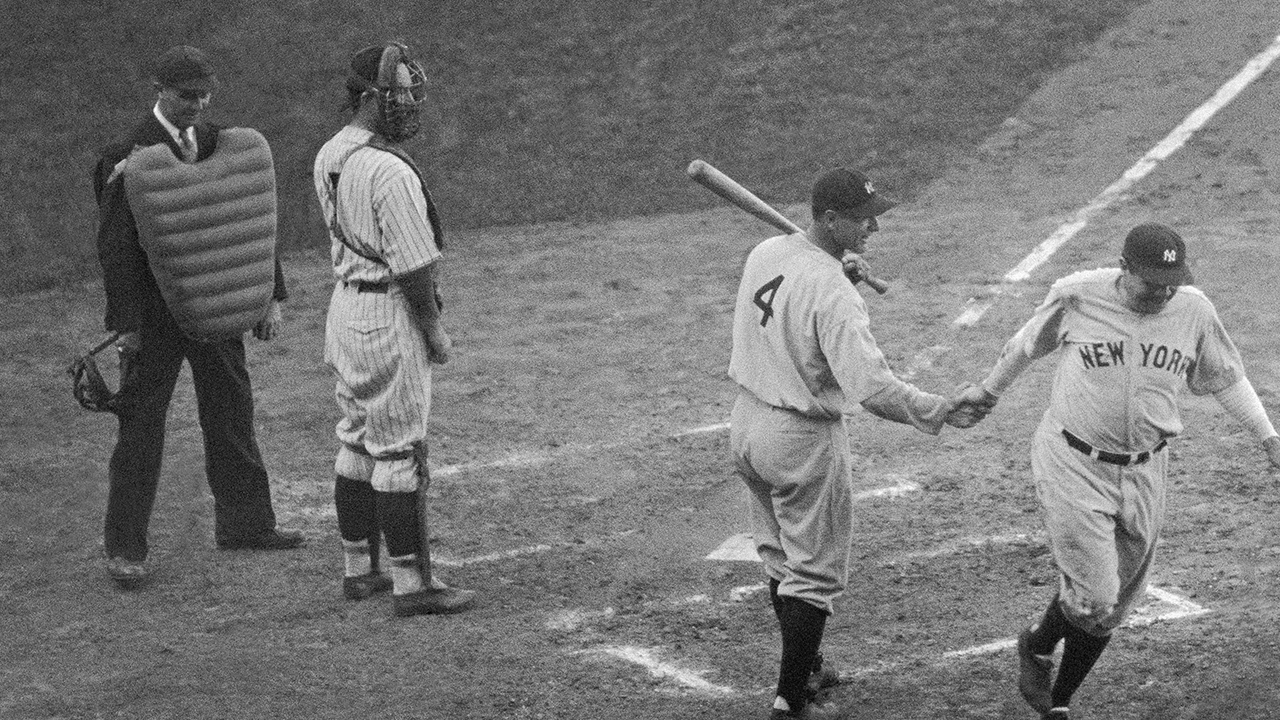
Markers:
(209, 231)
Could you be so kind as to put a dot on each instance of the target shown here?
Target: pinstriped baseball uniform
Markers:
(372, 341)
(1115, 390)
(803, 356)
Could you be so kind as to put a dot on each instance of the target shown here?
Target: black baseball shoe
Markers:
(822, 678)
(128, 574)
(274, 539)
(1034, 675)
(433, 601)
(359, 587)
(1058, 713)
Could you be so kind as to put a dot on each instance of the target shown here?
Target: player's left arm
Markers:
(1218, 370)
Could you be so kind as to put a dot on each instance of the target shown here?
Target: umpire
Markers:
(153, 348)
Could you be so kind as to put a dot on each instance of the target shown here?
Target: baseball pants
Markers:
(1103, 522)
(800, 476)
(383, 387)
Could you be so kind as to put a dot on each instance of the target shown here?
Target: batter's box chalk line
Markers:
(685, 678)
(679, 677)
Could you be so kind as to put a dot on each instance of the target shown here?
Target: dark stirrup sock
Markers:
(1079, 653)
(1051, 628)
(774, 599)
(802, 628)
(353, 501)
(398, 516)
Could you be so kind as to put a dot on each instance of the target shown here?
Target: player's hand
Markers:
(1272, 446)
(269, 326)
(970, 406)
(855, 268)
(439, 345)
(128, 344)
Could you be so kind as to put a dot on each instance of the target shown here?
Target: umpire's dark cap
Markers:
(183, 67)
(848, 192)
(1157, 254)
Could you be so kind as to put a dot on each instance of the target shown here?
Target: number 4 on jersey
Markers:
(766, 306)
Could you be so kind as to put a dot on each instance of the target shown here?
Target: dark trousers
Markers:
(233, 464)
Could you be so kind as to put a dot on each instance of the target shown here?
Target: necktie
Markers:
(188, 146)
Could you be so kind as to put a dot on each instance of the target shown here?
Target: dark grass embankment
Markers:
(559, 110)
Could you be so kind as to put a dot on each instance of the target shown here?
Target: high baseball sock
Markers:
(774, 599)
(1051, 628)
(397, 515)
(354, 502)
(1079, 653)
(802, 627)
(406, 574)
(355, 558)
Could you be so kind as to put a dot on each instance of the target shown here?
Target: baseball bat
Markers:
(726, 187)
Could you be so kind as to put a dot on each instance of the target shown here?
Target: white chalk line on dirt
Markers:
(976, 307)
(694, 681)
(648, 658)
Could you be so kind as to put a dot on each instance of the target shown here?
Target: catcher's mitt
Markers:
(88, 386)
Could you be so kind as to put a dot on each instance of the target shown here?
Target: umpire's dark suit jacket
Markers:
(233, 464)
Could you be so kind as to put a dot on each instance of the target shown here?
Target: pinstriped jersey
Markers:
(1120, 373)
(801, 334)
(380, 209)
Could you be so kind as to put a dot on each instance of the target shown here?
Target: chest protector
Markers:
(209, 231)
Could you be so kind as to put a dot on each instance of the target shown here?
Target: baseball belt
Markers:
(1121, 459)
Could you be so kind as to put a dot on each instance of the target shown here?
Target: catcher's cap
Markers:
(183, 67)
(848, 192)
(1157, 254)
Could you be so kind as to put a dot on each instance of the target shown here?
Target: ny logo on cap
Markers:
(1171, 255)
(870, 190)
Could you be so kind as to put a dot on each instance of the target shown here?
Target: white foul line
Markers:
(975, 308)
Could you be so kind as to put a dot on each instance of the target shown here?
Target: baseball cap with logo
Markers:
(1157, 254)
(183, 67)
(848, 192)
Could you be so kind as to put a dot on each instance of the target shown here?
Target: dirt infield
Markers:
(582, 474)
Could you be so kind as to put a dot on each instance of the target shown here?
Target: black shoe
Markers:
(274, 539)
(433, 601)
(1059, 713)
(822, 678)
(359, 587)
(128, 574)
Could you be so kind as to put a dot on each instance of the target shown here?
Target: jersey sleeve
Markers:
(844, 334)
(1217, 365)
(1041, 335)
(401, 209)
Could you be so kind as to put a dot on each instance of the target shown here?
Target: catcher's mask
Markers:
(399, 83)
(89, 386)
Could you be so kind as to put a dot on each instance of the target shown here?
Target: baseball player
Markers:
(154, 347)
(1132, 339)
(803, 357)
(383, 331)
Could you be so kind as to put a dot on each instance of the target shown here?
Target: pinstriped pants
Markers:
(378, 356)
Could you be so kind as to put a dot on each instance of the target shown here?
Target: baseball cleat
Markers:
(433, 601)
(1058, 713)
(359, 587)
(1033, 676)
(128, 574)
(822, 678)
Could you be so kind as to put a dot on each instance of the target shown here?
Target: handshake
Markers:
(970, 405)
